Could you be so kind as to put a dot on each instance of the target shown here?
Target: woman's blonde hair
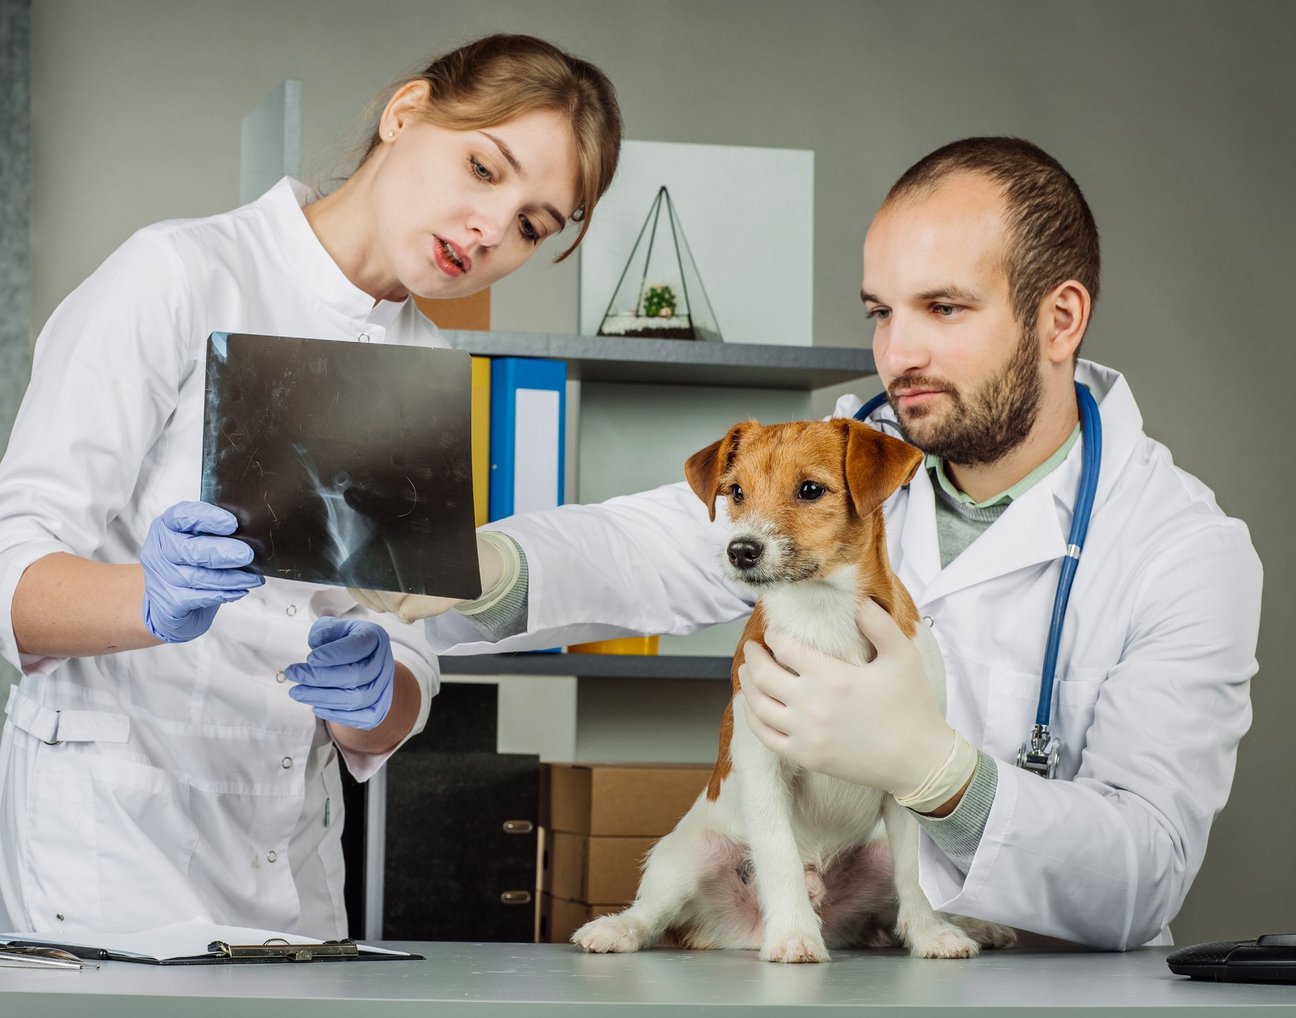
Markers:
(499, 77)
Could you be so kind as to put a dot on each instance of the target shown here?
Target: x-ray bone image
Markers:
(345, 463)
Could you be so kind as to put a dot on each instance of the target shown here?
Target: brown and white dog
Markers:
(770, 856)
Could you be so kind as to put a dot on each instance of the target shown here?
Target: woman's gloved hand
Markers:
(348, 676)
(191, 568)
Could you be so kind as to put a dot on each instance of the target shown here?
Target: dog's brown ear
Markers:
(704, 467)
(876, 465)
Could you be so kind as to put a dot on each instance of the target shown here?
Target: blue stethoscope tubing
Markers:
(1042, 750)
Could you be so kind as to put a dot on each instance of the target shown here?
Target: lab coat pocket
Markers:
(113, 840)
(1014, 700)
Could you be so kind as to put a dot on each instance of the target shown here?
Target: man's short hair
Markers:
(1052, 236)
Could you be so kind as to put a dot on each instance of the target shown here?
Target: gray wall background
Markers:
(1174, 116)
(15, 216)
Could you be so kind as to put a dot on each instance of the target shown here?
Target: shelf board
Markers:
(590, 666)
(676, 361)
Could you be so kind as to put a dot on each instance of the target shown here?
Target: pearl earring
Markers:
(391, 134)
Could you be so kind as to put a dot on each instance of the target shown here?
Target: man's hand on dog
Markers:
(876, 724)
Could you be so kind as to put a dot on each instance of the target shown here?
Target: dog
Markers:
(770, 856)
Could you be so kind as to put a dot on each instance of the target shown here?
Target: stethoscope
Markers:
(1042, 750)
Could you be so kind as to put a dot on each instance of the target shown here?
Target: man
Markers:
(980, 272)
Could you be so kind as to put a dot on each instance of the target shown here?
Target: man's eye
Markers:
(944, 310)
(810, 491)
(736, 492)
(878, 314)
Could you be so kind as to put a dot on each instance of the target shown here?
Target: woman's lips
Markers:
(446, 261)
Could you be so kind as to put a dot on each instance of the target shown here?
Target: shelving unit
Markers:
(652, 362)
(676, 361)
(591, 666)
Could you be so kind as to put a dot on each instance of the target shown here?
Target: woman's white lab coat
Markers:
(1153, 682)
(147, 787)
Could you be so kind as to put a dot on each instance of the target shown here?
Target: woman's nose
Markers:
(490, 225)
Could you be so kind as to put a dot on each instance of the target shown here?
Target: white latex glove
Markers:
(498, 560)
(875, 724)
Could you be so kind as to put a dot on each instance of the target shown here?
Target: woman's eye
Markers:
(736, 492)
(810, 491)
(528, 230)
(479, 169)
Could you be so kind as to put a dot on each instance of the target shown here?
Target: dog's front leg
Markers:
(923, 930)
(792, 930)
(669, 882)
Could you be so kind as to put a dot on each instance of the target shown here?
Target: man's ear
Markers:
(704, 467)
(1064, 316)
(876, 465)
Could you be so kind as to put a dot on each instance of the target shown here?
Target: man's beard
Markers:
(988, 424)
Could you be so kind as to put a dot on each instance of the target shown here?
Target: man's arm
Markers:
(645, 563)
(1107, 858)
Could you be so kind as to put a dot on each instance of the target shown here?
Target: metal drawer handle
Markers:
(516, 897)
(518, 827)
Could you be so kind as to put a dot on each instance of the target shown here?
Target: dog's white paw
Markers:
(795, 948)
(611, 934)
(940, 940)
(985, 933)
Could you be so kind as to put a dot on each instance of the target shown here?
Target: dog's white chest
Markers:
(820, 615)
(828, 814)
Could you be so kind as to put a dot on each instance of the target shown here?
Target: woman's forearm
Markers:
(65, 606)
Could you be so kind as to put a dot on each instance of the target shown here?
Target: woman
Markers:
(148, 776)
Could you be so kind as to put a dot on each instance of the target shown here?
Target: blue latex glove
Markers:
(191, 569)
(349, 674)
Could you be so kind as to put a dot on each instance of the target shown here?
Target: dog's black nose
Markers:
(745, 552)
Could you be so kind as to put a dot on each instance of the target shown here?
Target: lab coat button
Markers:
(362, 338)
(291, 610)
(272, 855)
(287, 762)
(280, 677)
(931, 623)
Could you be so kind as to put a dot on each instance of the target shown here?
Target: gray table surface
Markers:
(487, 980)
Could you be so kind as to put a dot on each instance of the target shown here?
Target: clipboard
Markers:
(226, 946)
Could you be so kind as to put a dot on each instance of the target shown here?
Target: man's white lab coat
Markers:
(1152, 691)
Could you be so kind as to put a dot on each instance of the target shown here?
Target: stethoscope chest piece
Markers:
(1040, 753)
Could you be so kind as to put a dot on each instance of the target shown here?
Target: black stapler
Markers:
(1267, 959)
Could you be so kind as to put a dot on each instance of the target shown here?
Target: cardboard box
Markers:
(623, 800)
(584, 868)
(560, 918)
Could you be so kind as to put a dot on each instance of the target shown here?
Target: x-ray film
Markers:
(345, 463)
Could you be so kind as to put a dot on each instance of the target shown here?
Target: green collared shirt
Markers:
(937, 466)
(960, 519)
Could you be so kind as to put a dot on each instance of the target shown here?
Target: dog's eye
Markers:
(810, 491)
(736, 492)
